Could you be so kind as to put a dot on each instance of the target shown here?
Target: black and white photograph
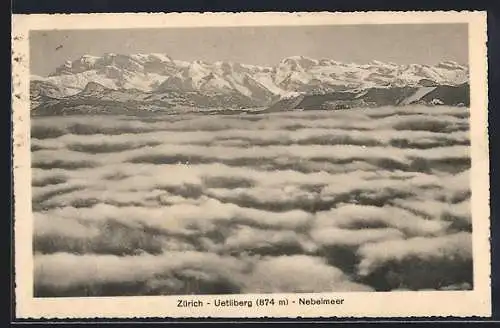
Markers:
(234, 160)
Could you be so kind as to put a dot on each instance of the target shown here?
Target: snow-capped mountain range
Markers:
(250, 85)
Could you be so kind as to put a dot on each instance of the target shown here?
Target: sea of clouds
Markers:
(357, 200)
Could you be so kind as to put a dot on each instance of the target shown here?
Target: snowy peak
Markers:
(153, 57)
(451, 65)
(298, 63)
(134, 63)
(157, 72)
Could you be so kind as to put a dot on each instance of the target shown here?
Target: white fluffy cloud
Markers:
(450, 247)
(298, 273)
(52, 226)
(258, 203)
(362, 217)
(330, 236)
(246, 238)
(89, 269)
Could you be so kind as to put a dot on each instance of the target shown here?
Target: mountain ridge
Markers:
(149, 77)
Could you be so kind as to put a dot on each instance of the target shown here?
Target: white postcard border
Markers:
(374, 304)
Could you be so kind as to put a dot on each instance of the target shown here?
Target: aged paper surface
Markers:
(251, 165)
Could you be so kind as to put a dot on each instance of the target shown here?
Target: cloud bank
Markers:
(292, 202)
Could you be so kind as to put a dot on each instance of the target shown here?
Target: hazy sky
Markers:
(404, 44)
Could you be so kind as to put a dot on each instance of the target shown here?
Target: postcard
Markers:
(246, 165)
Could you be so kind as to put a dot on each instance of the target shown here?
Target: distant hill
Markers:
(374, 97)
